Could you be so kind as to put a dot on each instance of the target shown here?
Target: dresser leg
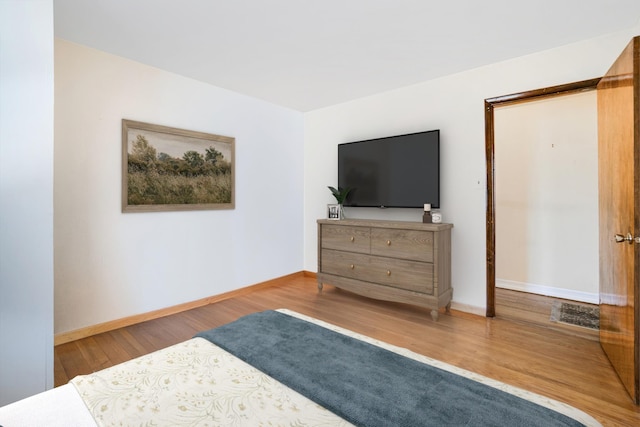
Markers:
(434, 315)
(448, 307)
(319, 287)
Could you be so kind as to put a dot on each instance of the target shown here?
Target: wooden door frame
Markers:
(489, 125)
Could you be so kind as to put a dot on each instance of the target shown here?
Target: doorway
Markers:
(546, 154)
(490, 106)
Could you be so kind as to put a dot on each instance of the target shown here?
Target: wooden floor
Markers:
(553, 363)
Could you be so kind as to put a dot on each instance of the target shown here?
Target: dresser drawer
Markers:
(402, 274)
(346, 238)
(414, 245)
(346, 264)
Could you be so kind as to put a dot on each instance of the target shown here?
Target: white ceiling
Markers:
(308, 54)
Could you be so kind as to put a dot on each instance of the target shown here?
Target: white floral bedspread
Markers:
(195, 383)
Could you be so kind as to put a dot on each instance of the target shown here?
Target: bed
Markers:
(281, 368)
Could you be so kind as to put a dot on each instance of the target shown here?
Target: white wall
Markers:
(26, 198)
(109, 265)
(453, 104)
(546, 163)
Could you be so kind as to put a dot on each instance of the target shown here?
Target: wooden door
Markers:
(619, 201)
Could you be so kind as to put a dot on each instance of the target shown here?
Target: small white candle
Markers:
(427, 207)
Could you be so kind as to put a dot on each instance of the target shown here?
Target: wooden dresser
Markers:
(400, 261)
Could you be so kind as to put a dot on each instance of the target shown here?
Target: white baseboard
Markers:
(480, 311)
(549, 291)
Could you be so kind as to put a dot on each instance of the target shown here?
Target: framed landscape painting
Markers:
(170, 169)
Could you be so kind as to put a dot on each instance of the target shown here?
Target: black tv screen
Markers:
(395, 172)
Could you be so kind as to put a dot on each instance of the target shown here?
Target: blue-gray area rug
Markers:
(371, 386)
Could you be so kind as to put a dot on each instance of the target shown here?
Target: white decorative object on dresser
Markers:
(408, 262)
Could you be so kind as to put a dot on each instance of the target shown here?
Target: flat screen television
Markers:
(395, 172)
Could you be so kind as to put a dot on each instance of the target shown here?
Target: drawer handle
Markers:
(352, 266)
(388, 242)
(388, 272)
(352, 238)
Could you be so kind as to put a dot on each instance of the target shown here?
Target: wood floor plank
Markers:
(59, 374)
(130, 342)
(551, 362)
(94, 354)
(72, 360)
(113, 348)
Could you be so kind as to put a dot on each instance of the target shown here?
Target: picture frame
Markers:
(171, 169)
(333, 211)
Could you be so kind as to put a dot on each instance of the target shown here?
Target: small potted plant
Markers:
(340, 194)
